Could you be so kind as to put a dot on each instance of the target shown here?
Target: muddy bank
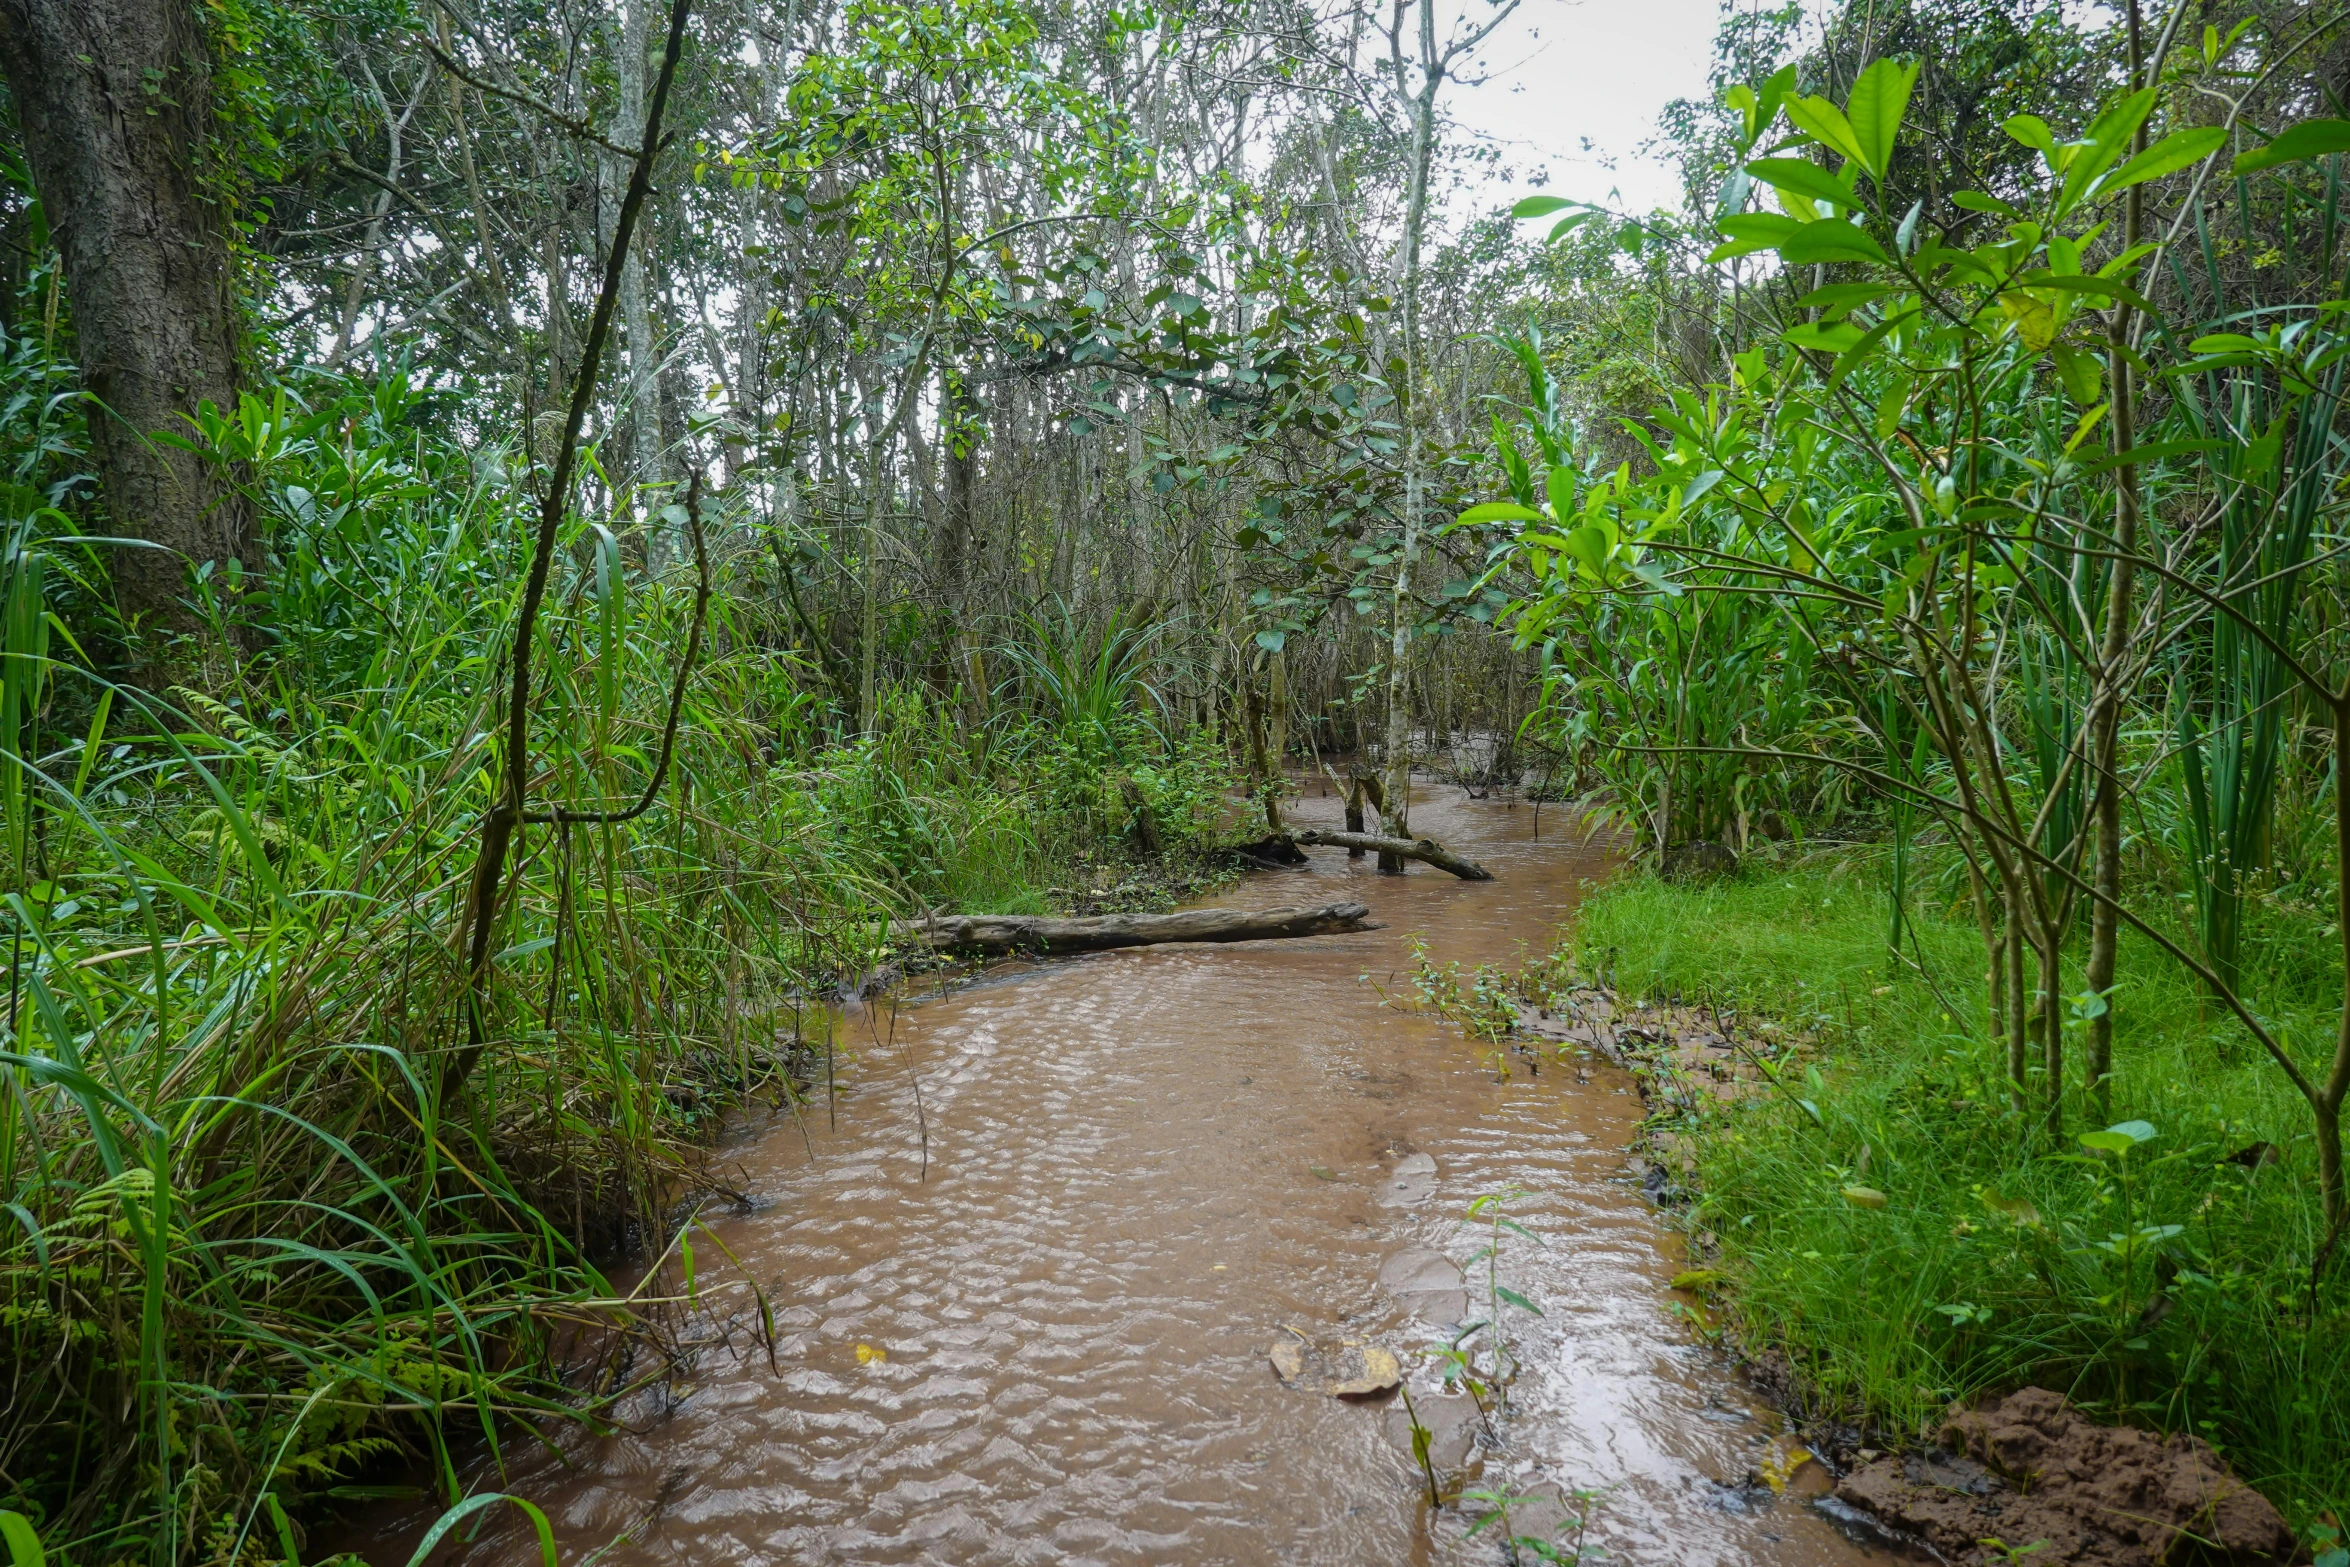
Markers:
(2023, 1470)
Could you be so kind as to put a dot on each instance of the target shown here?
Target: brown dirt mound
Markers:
(2030, 1467)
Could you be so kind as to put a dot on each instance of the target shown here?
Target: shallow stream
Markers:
(1143, 1169)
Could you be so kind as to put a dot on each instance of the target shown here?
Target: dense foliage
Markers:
(710, 480)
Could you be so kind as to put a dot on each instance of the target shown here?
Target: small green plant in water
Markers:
(1565, 1543)
(1488, 1211)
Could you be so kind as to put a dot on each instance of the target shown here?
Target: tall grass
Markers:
(1997, 1261)
(253, 1259)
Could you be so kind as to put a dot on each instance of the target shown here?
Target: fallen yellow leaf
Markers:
(867, 1355)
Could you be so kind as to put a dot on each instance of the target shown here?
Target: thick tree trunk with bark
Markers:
(114, 101)
(1427, 850)
(995, 934)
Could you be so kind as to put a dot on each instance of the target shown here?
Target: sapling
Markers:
(1488, 1210)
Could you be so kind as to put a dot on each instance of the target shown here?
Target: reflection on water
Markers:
(1142, 1166)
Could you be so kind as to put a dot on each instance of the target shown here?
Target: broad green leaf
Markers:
(1541, 206)
(2103, 287)
(2108, 140)
(1802, 180)
(1501, 511)
(1748, 232)
(1589, 546)
(1864, 1196)
(1272, 641)
(1823, 337)
(2082, 373)
(2136, 1131)
(2033, 132)
(1567, 225)
(1878, 101)
(2309, 139)
(1559, 488)
(1830, 240)
(1818, 117)
(2108, 1142)
(2167, 156)
(1976, 201)
(2036, 320)
(24, 1545)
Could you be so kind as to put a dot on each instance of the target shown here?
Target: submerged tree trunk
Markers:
(114, 103)
(1002, 933)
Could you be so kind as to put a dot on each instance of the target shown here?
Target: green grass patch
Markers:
(2167, 1286)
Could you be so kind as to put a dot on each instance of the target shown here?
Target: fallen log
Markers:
(996, 934)
(1427, 849)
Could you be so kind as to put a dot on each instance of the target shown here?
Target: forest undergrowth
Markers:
(255, 1220)
(2166, 1283)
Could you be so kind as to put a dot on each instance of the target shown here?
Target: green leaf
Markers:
(1271, 641)
(1830, 240)
(1864, 1196)
(1878, 101)
(2081, 372)
(2167, 156)
(1500, 511)
(2108, 139)
(1837, 298)
(2107, 1142)
(2033, 132)
(2136, 1131)
(2103, 287)
(1558, 487)
(24, 1545)
(2309, 139)
(1541, 206)
(1567, 225)
(1748, 232)
(1860, 352)
(1976, 201)
(1816, 116)
(1822, 337)
(1516, 1299)
(1803, 178)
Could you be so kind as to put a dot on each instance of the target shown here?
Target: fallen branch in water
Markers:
(1427, 849)
(995, 934)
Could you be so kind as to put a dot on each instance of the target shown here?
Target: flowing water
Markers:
(1144, 1168)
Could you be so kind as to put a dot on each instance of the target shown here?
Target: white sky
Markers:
(1567, 72)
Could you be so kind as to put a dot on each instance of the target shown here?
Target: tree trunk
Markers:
(1003, 933)
(1396, 818)
(1424, 849)
(636, 314)
(2114, 651)
(959, 435)
(114, 103)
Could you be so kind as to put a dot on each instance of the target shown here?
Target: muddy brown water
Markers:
(1143, 1168)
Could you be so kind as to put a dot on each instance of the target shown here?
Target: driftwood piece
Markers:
(1427, 849)
(995, 934)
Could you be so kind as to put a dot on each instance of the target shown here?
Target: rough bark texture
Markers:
(1001, 933)
(1426, 849)
(114, 100)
